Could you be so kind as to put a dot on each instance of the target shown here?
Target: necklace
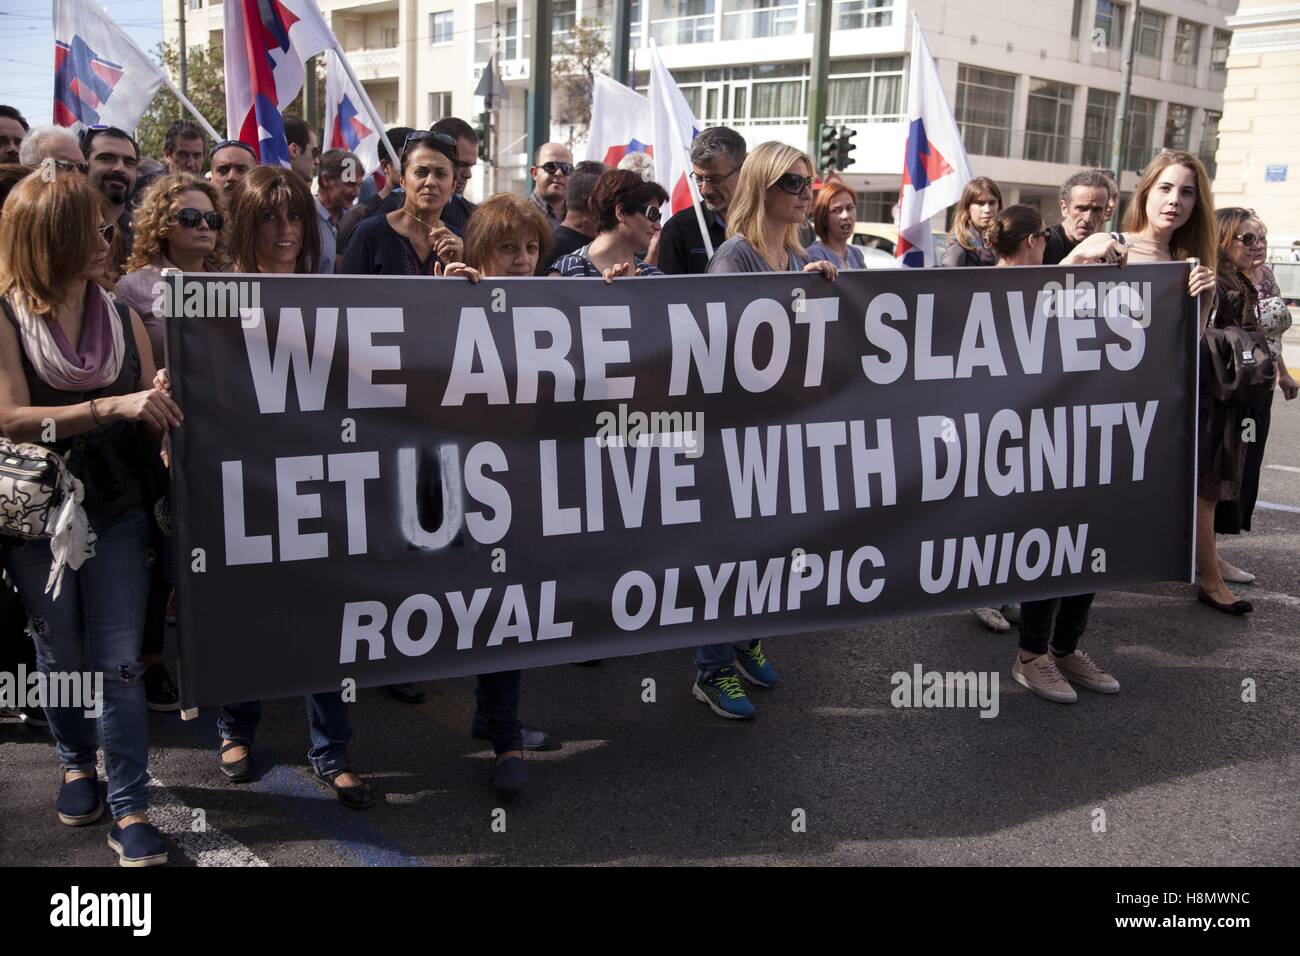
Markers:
(416, 218)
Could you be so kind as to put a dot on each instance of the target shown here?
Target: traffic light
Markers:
(484, 131)
(827, 140)
(844, 147)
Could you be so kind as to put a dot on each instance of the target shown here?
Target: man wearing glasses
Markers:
(304, 147)
(551, 170)
(456, 213)
(114, 159)
(716, 157)
(53, 142)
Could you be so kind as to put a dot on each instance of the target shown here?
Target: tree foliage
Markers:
(207, 91)
(583, 53)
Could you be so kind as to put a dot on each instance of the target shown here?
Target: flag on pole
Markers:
(935, 167)
(620, 122)
(267, 44)
(345, 123)
(674, 128)
(100, 76)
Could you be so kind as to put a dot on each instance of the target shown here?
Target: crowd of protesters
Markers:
(85, 237)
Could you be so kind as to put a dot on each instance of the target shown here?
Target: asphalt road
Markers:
(1185, 771)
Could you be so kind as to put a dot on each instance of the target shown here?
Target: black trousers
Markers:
(497, 696)
(1061, 621)
(16, 646)
(1233, 517)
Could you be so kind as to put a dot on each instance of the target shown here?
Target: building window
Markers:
(1047, 123)
(635, 17)
(564, 14)
(1075, 16)
(863, 91)
(876, 207)
(777, 92)
(390, 112)
(1151, 33)
(1141, 132)
(1210, 141)
(686, 21)
(760, 18)
(441, 27)
(196, 4)
(1110, 21)
(1178, 127)
(1219, 50)
(1099, 127)
(439, 106)
(1187, 43)
(985, 100)
(863, 14)
(388, 37)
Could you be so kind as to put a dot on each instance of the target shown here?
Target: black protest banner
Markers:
(394, 479)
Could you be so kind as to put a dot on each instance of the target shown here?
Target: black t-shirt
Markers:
(567, 240)
(359, 214)
(377, 249)
(681, 246)
(1059, 245)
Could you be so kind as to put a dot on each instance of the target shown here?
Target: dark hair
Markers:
(179, 130)
(431, 141)
(90, 134)
(582, 184)
(226, 143)
(335, 162)
(264, 188)
(396, 139)
(297, 131)
(8, 112)
(1088, 178)
(715, 142)
(622, 188)
(1228, 222)
(1012, 226)
(11, 174)
(456, 128)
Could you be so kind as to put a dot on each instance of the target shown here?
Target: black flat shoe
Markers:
(407, 693)
(1237, 607)
(241, 770)
(358, 798)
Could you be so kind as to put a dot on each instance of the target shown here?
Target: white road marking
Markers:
(1291, 468)
(209, 847)
(1270, 506)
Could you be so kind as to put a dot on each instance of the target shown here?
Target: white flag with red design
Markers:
(675, 127)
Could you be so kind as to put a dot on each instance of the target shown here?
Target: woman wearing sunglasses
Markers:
(412, 240)
(1243, 245)
(772, 199)
(73, 358)
(626, 211)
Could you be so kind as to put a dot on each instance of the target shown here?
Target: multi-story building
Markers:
(1259, 150)
(1035, 88)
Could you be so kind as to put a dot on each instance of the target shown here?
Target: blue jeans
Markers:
(710, 657)
(95, 626)
(327, 720)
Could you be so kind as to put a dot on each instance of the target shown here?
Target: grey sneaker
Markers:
(1041, 676)
(1078, 667)
(992, 618)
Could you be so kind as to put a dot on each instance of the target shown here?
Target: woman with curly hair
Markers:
(178, 226)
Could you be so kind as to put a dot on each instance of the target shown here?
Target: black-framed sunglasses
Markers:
(426, 136)
(232, 142)
(713, 180)
(1041, 233)
(564, 169)
(793, 183)
(107, 232)
(651, 212)
(189, 217)
(1249, 239)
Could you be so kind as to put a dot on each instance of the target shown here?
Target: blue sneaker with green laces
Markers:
(754, 666)
(724, 694)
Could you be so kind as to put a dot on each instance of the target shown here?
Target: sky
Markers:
(27, 47)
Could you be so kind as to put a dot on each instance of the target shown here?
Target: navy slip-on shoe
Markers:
(140, 844)
(510, 776)
(78, 802)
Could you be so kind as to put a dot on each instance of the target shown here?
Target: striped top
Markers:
(578, 265)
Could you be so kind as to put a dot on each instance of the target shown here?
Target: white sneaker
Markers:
(1041, 676)
(1079, 668)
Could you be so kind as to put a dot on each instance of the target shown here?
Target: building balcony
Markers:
(381, 64)
(1040, 147)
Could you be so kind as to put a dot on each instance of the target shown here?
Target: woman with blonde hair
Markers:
(771, 203)
(76, 362)
(772, 200)
(980, 203)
